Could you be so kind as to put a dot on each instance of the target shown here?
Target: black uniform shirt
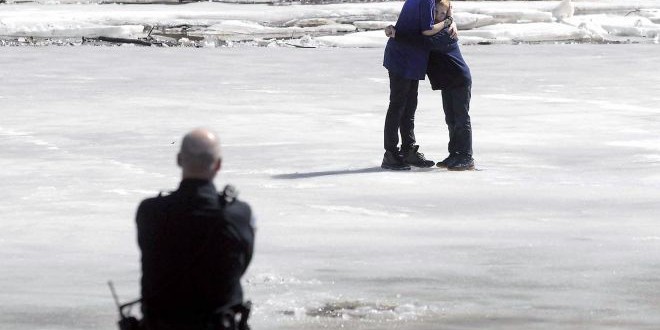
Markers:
(195, 248)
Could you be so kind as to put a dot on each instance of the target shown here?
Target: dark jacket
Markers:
(195, 248)
(446, 67)
(409, 59)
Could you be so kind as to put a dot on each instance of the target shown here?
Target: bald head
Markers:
(199, 156)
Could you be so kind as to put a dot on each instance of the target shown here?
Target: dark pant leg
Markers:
(461, 134)
(399, 103)
(408, 117)
(448, 107)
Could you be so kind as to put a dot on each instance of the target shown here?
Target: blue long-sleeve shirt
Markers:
(410, 59)
(446, 67)
(440, 42)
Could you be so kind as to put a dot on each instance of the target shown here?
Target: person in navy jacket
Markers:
(406, 63)
(447, 71)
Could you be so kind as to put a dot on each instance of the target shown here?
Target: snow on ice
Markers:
(339, 25)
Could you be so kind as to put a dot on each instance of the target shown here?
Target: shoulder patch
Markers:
(238, 210)
(229, 194)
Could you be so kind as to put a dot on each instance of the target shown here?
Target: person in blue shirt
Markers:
(406, 63)
(447, 71)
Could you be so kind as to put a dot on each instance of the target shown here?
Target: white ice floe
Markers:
(633, 26)
(565, 9)
(467, 21)
(372, 25)
(651, 14)
(531, 32)
(368, 39)
(518, 16)
(212, 21)
(240, 30)
(69, 29)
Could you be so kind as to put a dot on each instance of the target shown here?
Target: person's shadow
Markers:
(297, 175)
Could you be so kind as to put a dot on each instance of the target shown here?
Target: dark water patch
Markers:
(353, 309)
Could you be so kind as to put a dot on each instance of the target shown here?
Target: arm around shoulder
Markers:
(437, 27)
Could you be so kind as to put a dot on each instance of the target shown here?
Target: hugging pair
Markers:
(424, 42)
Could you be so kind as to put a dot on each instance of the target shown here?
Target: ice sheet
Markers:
(558, 229)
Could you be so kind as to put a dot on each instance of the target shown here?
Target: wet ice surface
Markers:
(558, 229)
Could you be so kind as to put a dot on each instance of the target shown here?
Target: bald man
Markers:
(196, 244)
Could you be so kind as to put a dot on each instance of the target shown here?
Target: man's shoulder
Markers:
(238, 210)
(163, 198)
(415, 3)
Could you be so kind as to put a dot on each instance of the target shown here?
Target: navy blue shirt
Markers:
(409, 60)
(446, 67)
(442, 42)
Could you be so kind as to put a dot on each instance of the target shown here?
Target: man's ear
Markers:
(178, 160)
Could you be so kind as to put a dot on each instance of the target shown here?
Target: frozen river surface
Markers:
(558, 230)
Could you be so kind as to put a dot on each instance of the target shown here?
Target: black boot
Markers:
(414, 158)
(393, 161)
(462, 163)
(445, 163)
